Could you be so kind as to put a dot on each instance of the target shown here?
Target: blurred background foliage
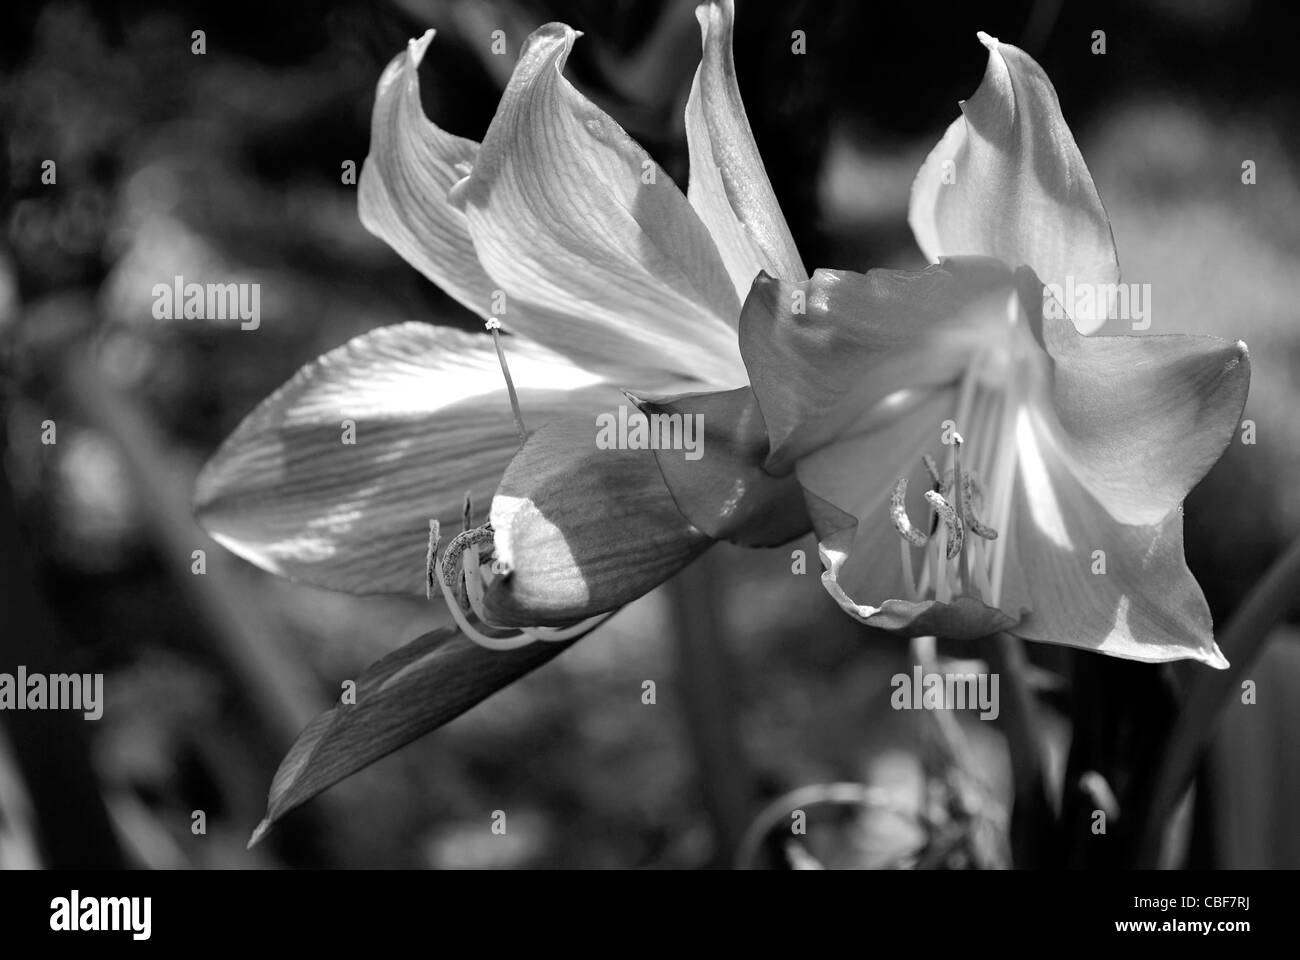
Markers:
(227, 166)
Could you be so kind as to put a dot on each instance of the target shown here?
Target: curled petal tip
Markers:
(555, 30)
(989, 41)
(417, 46)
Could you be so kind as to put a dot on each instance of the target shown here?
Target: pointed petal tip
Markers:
(553, 31)
(417, 46)
(989, 41)
(259, 832)
(1215, 658)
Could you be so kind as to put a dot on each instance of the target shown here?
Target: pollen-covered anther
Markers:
(452, 558)
(431, 571)
(464, 573)
(948, 514)
(970, 495)
(898, 514)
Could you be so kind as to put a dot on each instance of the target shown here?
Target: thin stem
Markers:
(1031, 811)
(494, 326)
(706, 675)
(1271, 599)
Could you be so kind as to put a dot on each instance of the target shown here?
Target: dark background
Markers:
(170, 163)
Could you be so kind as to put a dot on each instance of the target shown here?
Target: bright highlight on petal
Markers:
(333, 478)
(729, 187)
(1044, 509)
(571, 217)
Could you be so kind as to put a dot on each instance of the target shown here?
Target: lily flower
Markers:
(560, 231)
(972, 462)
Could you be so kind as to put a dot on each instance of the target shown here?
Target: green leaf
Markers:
(399, 698)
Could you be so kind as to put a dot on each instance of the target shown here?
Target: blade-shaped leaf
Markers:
(400, 697)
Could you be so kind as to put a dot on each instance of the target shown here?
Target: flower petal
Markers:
(729, 187)
(583, 530)
(962, 618)
(1120, 589)
(563, 218)
(721, 487)
(836, 353)
(1142, 419)
(1007, 181)
(848, 484)
(432, 421)
(402, 193)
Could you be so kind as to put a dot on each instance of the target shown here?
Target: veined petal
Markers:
(1007, 181)
(1120, 589)
(848, 484)
(720, 485)
(729, 187)
(583, 530)
(402, 194)
(961, 618)
(570, 216)
(1140, 420)
(402, 199)
(431, 420)
(836, 353)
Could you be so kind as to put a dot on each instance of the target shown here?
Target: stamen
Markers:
(969, 493)
(451, 559)
(963, 570)
(898, 514)
(949, 516)
(461, 566)
(473, 580)
(431, 560)
(932, 468)
(494, 327)
(510, 642)
(909, 577)
(558, 634)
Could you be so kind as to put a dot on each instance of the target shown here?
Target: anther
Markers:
(949, 516)
(494, 327)
(969, 494)
(898, 514)
(431, 561)
(451, 558)
(931, 468)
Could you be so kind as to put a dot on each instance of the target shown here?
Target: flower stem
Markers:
(1241, 640)
(1031, 810)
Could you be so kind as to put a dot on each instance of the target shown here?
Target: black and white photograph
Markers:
(517, 436)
